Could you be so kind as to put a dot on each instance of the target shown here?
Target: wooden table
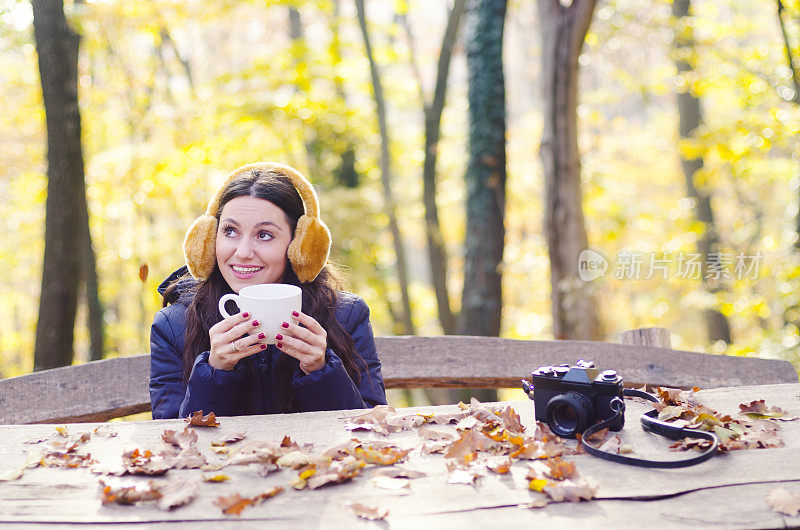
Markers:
(726, 492)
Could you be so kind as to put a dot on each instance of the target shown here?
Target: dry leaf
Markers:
(612, 445)
(758, 410)
(62, 431)
(365, 511)
(145, 463)
(339, 471)
(70, 444)
(144, 270)
(104, 431)
(232, 504)
(570, 491)
(198, 420)
(176, 494)
(511, 420)
(231, 438)
(397, 472)
(500, 465)
(294, 459)
(784, 501)
(466, 475)
(66, 460)
(121, 494)
(187, 438)
(390, 483)
(559, 469)
(426, 433)
(216, 478)
(383, 456)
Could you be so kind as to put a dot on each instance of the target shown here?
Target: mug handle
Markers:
(223, 300)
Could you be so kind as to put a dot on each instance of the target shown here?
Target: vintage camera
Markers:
(571, 398)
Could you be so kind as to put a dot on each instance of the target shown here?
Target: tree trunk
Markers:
(690, 115)
(346, 174)
(57, 48)
(485, 177)
(563, 29)
(437, 254)
(94, 313)
(432, 110)
(385, 163)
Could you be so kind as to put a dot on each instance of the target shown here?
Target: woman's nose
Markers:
(244, 249)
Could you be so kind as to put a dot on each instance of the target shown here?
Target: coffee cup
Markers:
(269, 303)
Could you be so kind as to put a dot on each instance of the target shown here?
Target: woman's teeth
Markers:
(245, 270)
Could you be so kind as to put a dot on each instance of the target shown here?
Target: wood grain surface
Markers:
(727, 491)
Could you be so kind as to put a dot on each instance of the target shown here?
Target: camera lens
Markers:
(568, 414)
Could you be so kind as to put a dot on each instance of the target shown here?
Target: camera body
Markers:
(572, 398)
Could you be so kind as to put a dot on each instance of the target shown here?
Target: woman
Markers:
(262, 226)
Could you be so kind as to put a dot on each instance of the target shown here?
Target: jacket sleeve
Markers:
(212, 390)
(331, 388)
(209, 390)
(166, 369)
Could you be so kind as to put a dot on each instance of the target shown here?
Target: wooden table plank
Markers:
(55, 495)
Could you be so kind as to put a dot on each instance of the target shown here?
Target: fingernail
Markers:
(263, 346)
(245, 315)
(279, 336)
(285, 324)
(255, 322)
(295, 313)
(262, 336)
(279, 345)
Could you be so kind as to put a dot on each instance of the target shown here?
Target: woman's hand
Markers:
(305, 340)
(227, 343)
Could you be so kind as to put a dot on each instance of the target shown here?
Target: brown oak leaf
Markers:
(198, 420)
(366, 511)
(186, 438)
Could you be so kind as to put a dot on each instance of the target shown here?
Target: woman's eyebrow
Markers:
(268, 223)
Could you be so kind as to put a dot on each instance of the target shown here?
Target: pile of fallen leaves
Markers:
(755, 426)
(486, 440)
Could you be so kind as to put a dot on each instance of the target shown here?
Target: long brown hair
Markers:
(320, 296)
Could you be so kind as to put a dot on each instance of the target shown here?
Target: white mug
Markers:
(269, 303)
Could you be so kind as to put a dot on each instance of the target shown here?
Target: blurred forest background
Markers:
(686, 118)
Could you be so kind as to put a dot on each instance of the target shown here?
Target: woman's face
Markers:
(252, 240)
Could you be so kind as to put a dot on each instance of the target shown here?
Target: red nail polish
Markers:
(279, 345)
(245, 315)
(255, 323)
(279, 336)
(263, 346)
(262, 336)
(295, 313)
(285, 324)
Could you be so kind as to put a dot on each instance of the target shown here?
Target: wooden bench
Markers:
(101, 390)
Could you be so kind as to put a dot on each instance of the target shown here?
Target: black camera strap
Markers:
(650, 422)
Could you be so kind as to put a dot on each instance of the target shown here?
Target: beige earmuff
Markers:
(308, 251)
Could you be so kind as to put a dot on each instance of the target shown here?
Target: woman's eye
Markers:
(265, 236)
(229, 231)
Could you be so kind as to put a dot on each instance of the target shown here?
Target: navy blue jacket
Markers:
(220, 391)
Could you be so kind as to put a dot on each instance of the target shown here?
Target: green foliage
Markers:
(157, 142)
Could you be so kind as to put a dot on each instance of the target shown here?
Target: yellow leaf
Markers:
(537, 484)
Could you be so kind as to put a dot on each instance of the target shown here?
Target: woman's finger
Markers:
(246, 326)
(241, 350)
(242, 343)
(289, 329)
(310, 358)
(309, 322)
(226, 324)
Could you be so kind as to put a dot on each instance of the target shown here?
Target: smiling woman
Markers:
(262, 226)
